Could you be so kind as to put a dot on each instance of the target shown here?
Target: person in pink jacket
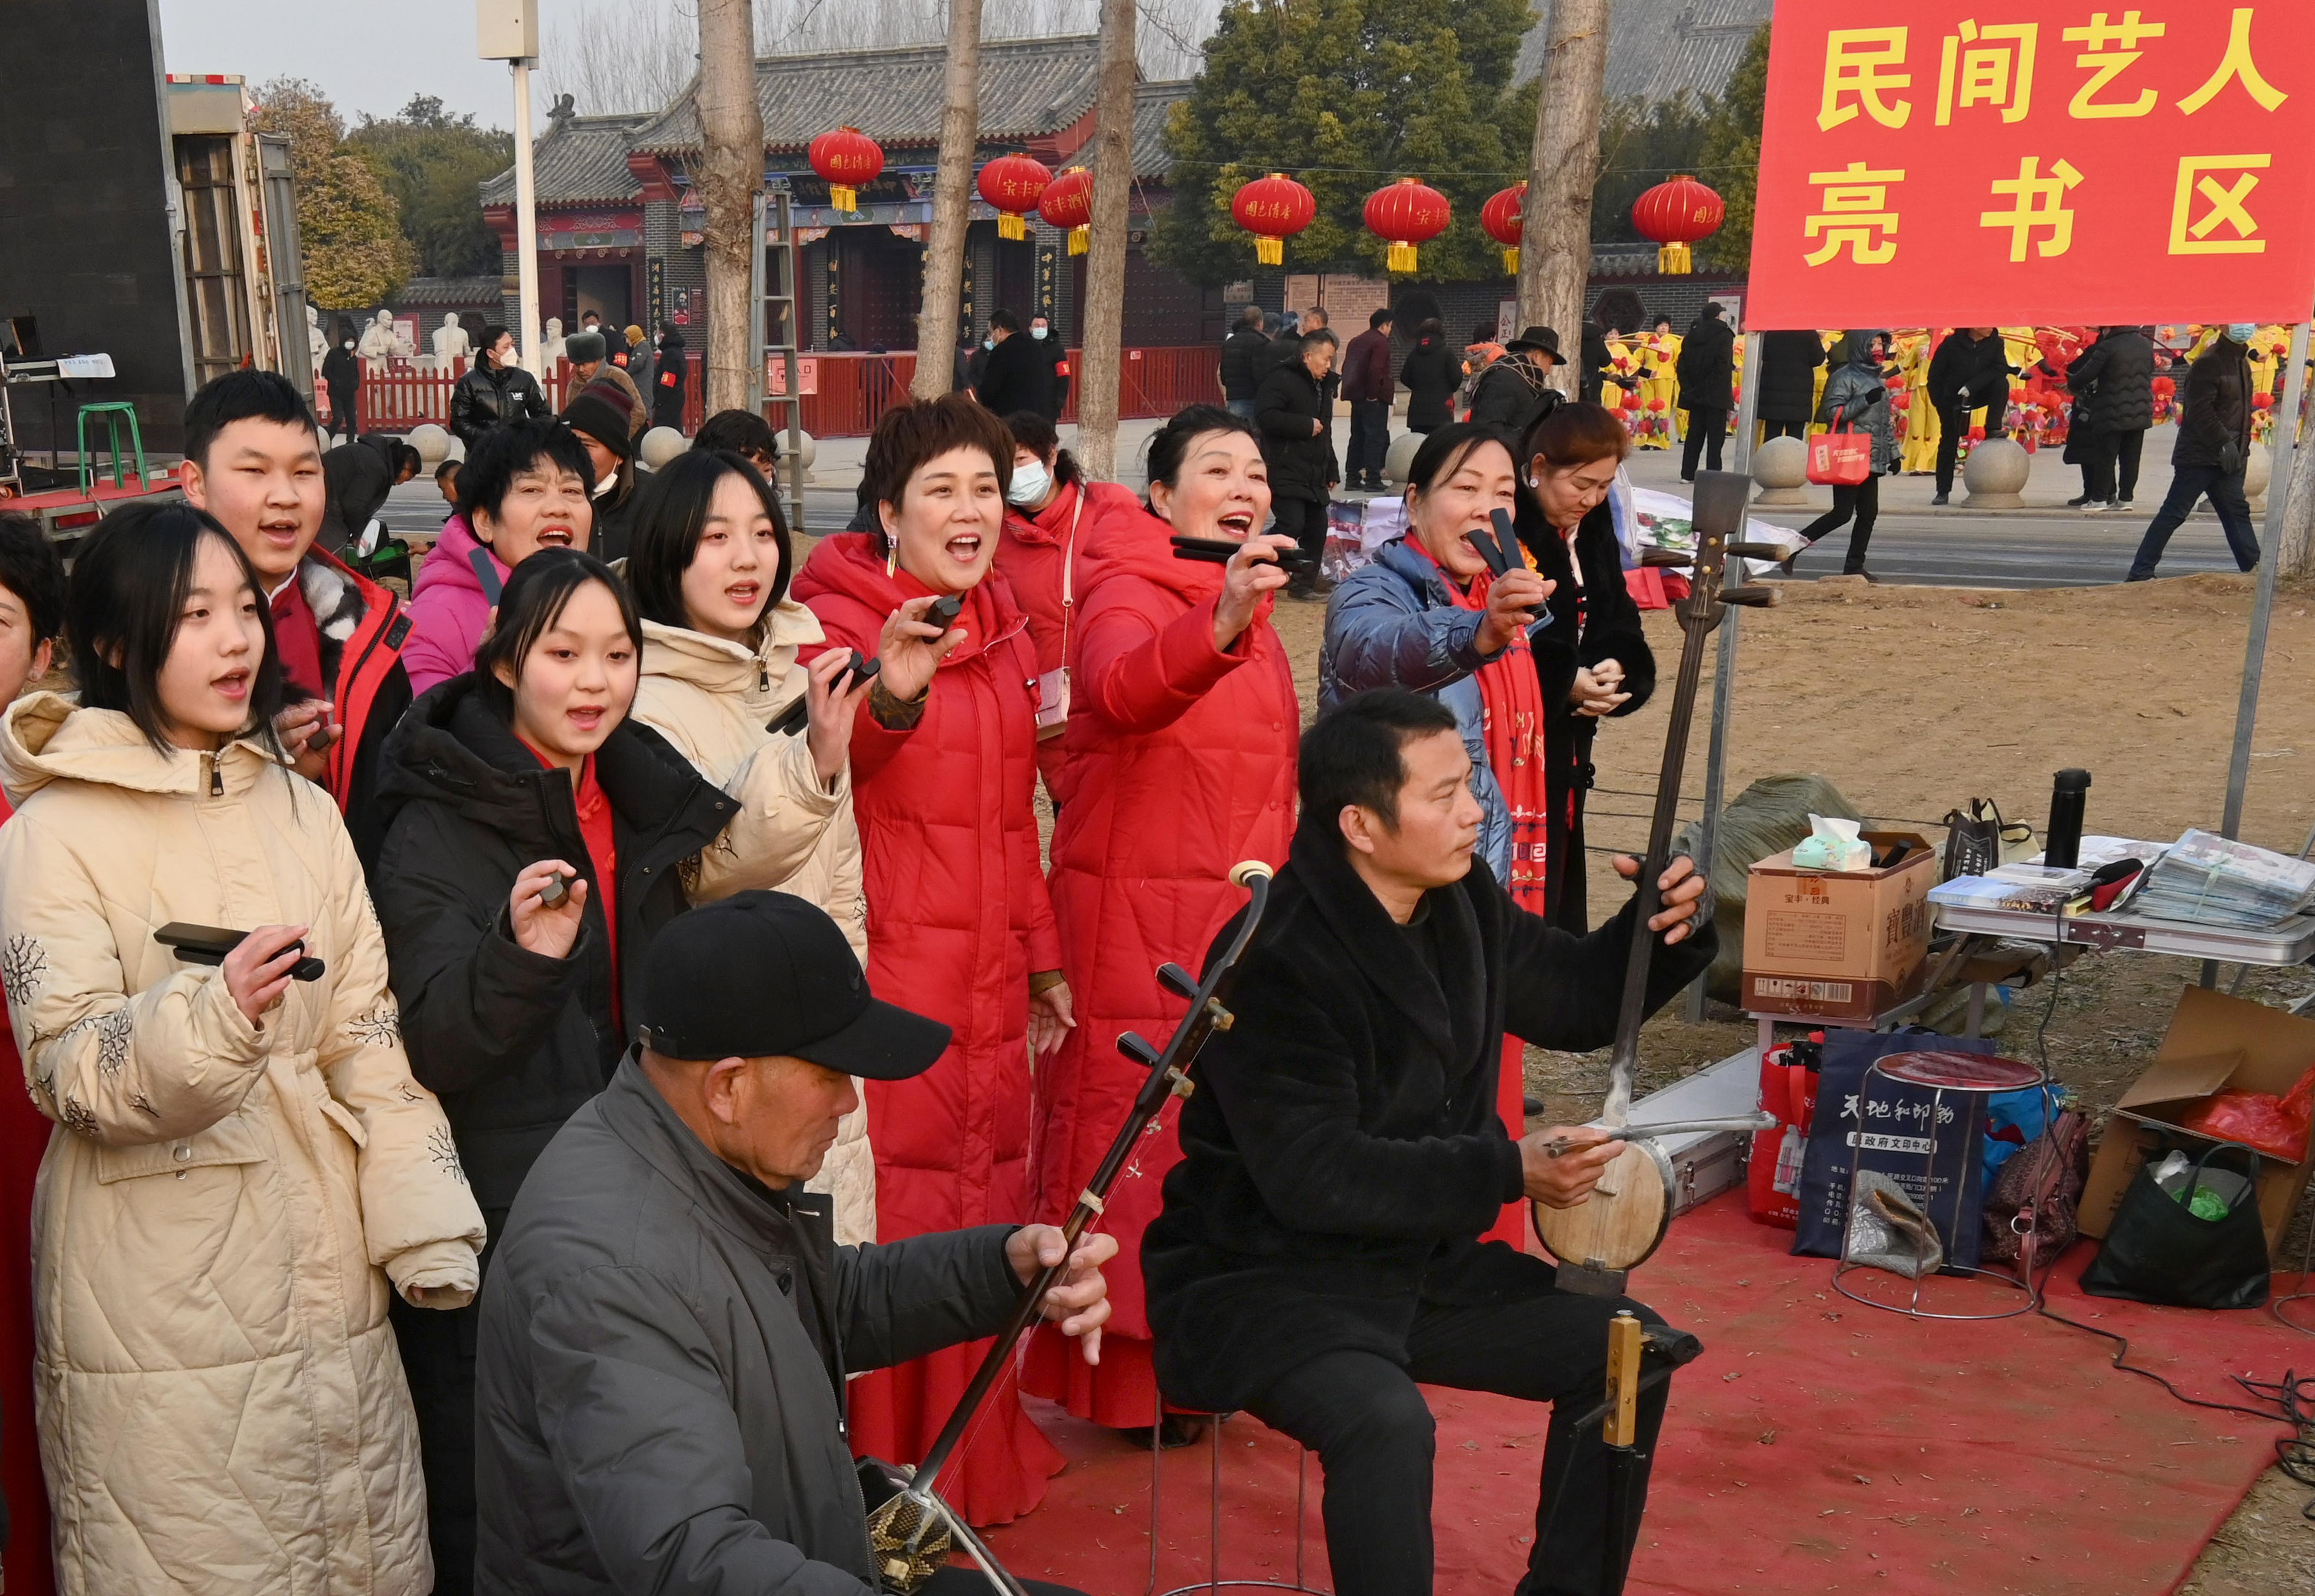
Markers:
(1181, 755)
(526, 487)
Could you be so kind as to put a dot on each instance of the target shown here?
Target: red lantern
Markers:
(1675, 215)
(1503, 217)
(1069, 203)
(1404, 215)
(1014, 185)
(849, 160)
(1272, 209)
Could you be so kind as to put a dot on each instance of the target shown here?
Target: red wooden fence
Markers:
(852, 390)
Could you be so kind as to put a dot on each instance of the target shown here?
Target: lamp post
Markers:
(508, 31)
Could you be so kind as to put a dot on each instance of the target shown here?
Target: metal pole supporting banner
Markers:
(2270, 561)
(1724, 670)
(526, 224)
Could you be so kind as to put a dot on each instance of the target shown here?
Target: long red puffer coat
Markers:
(1181, 763)
(958, 919)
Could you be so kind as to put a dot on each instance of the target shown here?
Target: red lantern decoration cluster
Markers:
(1014, 185)
(850, 161)
(1408, 213)
(1069, 203)
(1272, 209)
(1674, 215)
(1502, 216)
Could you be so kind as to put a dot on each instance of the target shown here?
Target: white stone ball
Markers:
(1400, 458)
(431, 442)
(660, 445)
(2258, 468)
(1997, 472)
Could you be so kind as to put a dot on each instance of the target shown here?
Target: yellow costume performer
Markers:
(1921, 455)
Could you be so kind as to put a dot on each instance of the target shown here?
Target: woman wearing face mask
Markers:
(1428, 614)
(1049, 508)
(944, 772)
(341, 375)
(1594, 659)
(528, 487)
(600, 416)
(1856, 400)
(524, 774)
(493, 391)
(244, 1171)
(1180, 751)
(721, 635)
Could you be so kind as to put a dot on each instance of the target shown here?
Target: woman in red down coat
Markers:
(944, 775)
(1180, 752)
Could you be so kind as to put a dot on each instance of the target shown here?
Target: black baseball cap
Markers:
(762, 973)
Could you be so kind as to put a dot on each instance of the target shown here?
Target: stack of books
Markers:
(2032, 888)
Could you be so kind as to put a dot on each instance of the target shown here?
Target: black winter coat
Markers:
(1342, 1154)
(489, 394)
(2113, 384)
(1016, 375)
(1241, 352)
(1301, 459)
(2217, 422)
(1595, 621)
(1432, 372)
(1513, 394)
(1706, 367)
(669, 373)
(663, 1355)
(1967, 372)
(341, 368)
(513, 1042)
(1789, 363)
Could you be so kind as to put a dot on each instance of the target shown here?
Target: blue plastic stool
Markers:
(110, 411)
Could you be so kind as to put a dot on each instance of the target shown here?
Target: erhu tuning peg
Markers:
(1138, 1048)
(1655, 555)
(1758, 551)
(1177, 980)
(1754, 596)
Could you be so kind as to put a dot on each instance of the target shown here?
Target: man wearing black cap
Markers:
(1516, 392)
(668, 1324)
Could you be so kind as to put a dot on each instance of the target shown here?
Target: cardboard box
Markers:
(2215, 1041)
(1837, 945)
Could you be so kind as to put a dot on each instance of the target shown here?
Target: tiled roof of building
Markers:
(447, 290)
(1153, 104)
(1028, 87)
(1657, 48)
(578, 161)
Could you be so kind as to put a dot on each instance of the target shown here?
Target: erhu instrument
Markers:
(913, 1531)
(1624, 1219)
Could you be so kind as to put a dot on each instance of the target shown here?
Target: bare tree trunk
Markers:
(1555, 221)
(2296, 557)
(1105, 306)
(952, 194)
(731, 171)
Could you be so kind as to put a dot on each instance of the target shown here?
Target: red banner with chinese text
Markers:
(1957, 163)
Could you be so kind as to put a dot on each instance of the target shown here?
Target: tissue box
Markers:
(1837, 945)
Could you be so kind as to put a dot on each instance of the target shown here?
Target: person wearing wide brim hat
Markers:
(1516, 392)
(600, 417)
(662, 1360)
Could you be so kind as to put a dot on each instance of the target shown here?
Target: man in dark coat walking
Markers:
(1970, 371)
(670, 1323)
(2112, 385)
(1707, 371)
(341, 378)
(1319, 1252)
(1515, 391)
(1788, 379)
(1241, 352)
(1298, 446)
(1367, 383)
(1016, 375)
(671, 371)
(2214, 444)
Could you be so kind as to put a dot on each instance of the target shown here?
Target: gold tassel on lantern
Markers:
(1673, 260)
(1009, 224)
(1269, 251)
(1511, 261)
(842, 197)
(1401, 257)
(1080, 240)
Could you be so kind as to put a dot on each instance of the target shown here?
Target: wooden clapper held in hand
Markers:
(1621, 1223)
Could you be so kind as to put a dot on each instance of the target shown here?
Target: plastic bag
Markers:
(2276, 1126)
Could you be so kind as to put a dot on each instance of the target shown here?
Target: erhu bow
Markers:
(913, 1531)
(1624, 1219)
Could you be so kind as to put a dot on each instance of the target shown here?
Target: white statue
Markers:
(316, 341)
(450, 340)
(550, 348)
(378, 341)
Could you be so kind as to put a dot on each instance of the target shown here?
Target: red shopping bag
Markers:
(1841, 458)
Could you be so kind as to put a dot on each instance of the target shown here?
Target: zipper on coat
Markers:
(216, 777)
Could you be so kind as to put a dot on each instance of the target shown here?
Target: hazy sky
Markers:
(367, 55)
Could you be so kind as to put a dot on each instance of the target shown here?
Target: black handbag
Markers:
(2158, 1250)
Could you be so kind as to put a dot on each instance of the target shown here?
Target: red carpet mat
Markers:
(1818, 1445)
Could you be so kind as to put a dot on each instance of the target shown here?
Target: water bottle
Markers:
(2063, 845)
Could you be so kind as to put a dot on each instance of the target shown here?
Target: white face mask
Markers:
(348, 343)
(1036, 332)
(1030, 482)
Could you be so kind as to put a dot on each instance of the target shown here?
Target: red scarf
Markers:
(1510, 699)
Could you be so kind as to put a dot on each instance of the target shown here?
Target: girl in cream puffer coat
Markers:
(714, 700)
(221, 1407)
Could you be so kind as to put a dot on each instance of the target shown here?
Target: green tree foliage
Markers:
(1730, 160)
(1347, 95)
(1641, 145)
(432, 162)
(349, 223)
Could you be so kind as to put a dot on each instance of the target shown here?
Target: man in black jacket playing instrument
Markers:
(1318, 1254)
(669, 1323)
